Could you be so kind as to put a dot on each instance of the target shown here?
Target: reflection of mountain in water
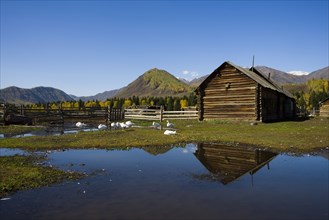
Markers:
(228, 163)
(156, 150)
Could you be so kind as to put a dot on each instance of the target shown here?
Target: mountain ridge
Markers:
(280, 77)
(102, 96)
(40, 94)
(154, 82)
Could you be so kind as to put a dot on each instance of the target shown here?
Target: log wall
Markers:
(275, 106)
(270, 107)
(324, 109)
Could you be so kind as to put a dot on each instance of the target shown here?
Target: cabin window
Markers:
(227, 85)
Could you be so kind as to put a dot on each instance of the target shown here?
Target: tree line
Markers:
(169, 103)
(309, 95)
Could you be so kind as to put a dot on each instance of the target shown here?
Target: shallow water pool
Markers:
(196, 181)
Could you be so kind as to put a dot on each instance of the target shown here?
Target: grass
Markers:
(22, 172)
(16, 129)
(301, 136)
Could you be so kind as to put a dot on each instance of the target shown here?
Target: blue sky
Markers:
(88, 47)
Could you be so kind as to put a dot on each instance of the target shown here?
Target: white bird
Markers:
(123, 125)
(80, 124)
(102, 127)
(113, 125)
(169, 132)
(170, 125)
(129, 123)
(155, 124)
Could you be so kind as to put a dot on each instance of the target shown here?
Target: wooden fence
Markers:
(2, 113)
(58, 115)
(14, 114)
(160, 114)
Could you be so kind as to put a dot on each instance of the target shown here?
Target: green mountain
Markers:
(40, 94)
(155, 82)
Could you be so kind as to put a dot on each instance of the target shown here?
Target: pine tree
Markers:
(169, 104)
(177, 106)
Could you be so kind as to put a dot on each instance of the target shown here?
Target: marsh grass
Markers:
(16, 129)
(303, 136)
(23, 172)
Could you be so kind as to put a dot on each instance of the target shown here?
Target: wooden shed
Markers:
(324, 108)
(228, 163)
(233, 92)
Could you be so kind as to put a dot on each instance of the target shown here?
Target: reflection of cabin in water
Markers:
(324, 108)
(228, 163)
(234, 92)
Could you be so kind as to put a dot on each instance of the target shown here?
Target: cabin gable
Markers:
(229, 93)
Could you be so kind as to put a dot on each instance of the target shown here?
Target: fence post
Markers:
(109, 114)
(61, 112)
(106, 114)
(3, 111)
(123, 113)
(47, 108)
(161, 113)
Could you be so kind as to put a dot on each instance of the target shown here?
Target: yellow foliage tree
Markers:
(183, 103)
(54, 106)
(107, 103)
(103, 104)
(318, 85)
(90, 104)
(144, 102)
(115, 104)
(127, 103)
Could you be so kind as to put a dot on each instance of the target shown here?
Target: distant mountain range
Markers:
(35, 95)
(154, 82)
(281, 77)
(100, 96)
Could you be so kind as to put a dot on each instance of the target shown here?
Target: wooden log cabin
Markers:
(233, 92)
(228, 163)
(324, 108)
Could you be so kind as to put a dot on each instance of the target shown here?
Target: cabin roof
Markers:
(256, 76)
(324, 100)
(263, 75)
